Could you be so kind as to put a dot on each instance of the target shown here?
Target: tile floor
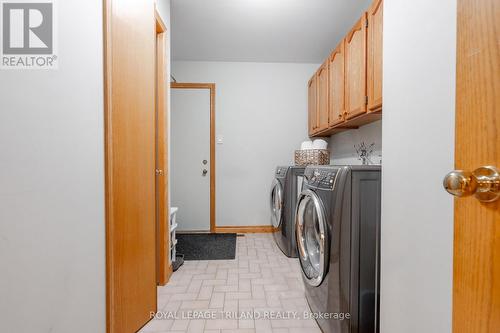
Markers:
(260, 291)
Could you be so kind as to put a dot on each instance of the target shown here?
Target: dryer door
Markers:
(312, 237)
(276, 203)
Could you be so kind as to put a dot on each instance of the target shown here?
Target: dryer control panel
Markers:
(323, 178)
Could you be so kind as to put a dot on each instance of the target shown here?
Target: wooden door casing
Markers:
(374, 67)
(336, 88)
(129, 99)
(476, 267)
(323, 97)
(355, 69)
(164, 266)
(312, 107)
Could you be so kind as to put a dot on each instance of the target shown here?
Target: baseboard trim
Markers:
(250, 229)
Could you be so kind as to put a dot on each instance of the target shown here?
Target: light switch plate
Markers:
(220, 139)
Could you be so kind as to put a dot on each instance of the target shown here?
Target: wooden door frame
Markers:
(163, 264)
(211, 88)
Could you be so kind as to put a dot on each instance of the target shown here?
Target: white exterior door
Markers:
(190, 158)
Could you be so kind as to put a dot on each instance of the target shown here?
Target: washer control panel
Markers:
(281, 172)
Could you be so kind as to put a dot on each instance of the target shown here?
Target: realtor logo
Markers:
(28, 32)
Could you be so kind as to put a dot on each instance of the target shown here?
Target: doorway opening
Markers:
(193, 155)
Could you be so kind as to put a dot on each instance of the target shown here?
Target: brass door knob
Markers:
(483, 183)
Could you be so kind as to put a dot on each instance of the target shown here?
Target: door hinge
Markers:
(366, 100)
(366, 23)
(159, 172)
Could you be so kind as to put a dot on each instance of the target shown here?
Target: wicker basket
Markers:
(312, 157)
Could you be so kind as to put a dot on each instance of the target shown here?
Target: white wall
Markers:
(342, 149)
(52, 231)
(418, 138)
(261, 111)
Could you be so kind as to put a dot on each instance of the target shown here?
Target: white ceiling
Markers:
(260, 30)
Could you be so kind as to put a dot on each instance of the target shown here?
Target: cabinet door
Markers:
(323, 97)
(374, 76)
(312, 105)
(355, 52)
(336, 86)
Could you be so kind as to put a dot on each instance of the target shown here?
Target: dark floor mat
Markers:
(206, 246)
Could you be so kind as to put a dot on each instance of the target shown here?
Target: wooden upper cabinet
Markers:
(355, 69)
(322, 77)
(312, 105)
(336, 85)
(346, 90)
(374, 75)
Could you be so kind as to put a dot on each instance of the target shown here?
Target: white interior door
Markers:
(190, 158)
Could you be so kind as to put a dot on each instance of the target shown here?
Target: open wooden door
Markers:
(130, 163)
(476, 273)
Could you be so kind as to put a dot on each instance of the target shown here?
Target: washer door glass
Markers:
(276, 203)
(312, 237)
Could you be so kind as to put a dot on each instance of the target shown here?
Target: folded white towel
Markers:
(320, 144)
(306, 145)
